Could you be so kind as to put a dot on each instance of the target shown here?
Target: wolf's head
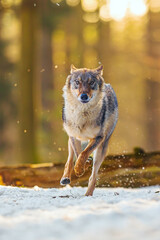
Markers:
(85, 84)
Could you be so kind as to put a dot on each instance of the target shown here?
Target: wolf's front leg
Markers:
(80, 163)
(97, 161)
(74, 146)
(66, 178)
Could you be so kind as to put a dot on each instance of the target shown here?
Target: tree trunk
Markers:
(153, 82)
(28, 78)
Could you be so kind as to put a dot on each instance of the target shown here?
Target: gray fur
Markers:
(101, 118)
(112, 103)
(63, 114)
(97, 141)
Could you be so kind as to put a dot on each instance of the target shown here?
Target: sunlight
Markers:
(17, 2)
(72, 3)
(9, 3)
(91, 17)
(89, 5)
(155, 5)
(10, 26)
(6, 3)
(118, 9)
(138, 7)
(104, 13)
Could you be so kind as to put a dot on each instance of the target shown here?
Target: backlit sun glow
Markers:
(115, 9)
(118, 10)
(138, 7)
(89, 5)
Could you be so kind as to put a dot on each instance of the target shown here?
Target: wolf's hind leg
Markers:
(97, 161)
(76, 145)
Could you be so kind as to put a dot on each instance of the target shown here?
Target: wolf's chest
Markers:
(81, 124)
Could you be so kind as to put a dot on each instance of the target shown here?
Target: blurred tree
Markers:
(7, 107)
(28, 81)
(74, 39)
(39, 19)
(45, 70)
(153, 82)
(50, 16)
(45, 52)
(105, 47)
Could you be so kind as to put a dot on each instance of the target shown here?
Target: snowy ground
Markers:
(55, 214)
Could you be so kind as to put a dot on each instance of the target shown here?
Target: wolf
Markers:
(89, 113)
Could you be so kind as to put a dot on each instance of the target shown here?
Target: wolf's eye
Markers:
(77, 82)
(92, 83)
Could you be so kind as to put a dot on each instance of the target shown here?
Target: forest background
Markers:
(38, 42)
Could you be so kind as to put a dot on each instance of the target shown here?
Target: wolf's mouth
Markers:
(85, 101)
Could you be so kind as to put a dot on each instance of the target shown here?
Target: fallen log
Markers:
(130, 170)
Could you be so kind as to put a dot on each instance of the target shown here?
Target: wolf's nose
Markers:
(84, 96)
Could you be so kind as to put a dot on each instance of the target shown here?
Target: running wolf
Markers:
(90, 113)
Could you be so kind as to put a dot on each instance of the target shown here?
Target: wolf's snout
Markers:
(84, 97)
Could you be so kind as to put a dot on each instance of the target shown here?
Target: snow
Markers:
(65, 213)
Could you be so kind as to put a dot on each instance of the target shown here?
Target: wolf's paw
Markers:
(89, 194)
(89, 163)
(65, 181)
(79, 170)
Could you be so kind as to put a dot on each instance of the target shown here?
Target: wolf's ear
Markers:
(99, 70)
(68, 81)
(73, 68)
